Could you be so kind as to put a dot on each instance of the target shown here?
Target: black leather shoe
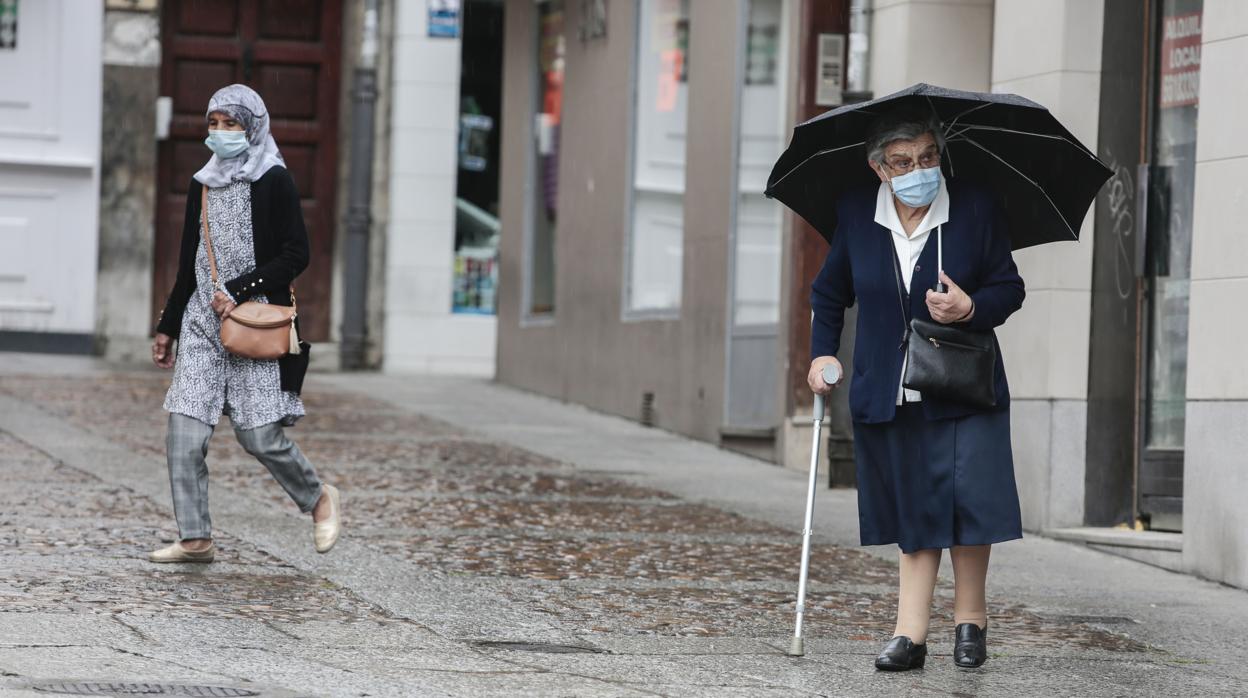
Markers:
(901, 654)
(970, 645)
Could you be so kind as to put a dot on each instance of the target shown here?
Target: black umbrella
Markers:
(1043, 176)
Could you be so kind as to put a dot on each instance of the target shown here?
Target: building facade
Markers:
(643, 274)
(49, 174)
(644, 264)
(441, 242)
(140, 72)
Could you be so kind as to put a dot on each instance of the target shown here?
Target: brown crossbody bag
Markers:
(254, 330)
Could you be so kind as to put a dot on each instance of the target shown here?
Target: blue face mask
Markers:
(917, 188)
(226, 144)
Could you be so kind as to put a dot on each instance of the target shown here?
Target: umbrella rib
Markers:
(949, 126)
(1077, 145)
(969, 127)
(798, 166)
(1029, 180)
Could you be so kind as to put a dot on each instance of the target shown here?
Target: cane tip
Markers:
(797, 648)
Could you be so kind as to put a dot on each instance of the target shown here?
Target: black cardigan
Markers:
(281, 248)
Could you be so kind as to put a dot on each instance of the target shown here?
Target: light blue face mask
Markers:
(917, 188)
(227, 144)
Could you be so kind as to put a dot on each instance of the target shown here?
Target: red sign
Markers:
(1180, 60)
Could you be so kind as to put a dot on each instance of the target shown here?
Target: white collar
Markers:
(886, 211)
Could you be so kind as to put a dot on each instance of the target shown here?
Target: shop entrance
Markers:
(1170, 176)
(476, 191)
(1142, 258)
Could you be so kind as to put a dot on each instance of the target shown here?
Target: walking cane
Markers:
(798, 647)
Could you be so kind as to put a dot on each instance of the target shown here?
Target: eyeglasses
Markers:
(902, 164)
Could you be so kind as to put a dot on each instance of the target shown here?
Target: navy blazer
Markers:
(859, 268)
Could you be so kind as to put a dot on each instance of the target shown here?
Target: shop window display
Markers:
(475, 272)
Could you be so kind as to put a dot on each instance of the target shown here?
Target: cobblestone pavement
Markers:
(662, 596)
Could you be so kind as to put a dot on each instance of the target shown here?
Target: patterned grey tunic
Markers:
(208, 380)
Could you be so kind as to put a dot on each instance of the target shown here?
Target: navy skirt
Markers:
(936, 483)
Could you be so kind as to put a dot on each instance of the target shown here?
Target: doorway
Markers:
(750, 410)
(1170, 176)
(289, 53)
(1142, 251)
(477, 228)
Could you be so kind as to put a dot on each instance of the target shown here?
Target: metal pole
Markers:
(360, 196)
(798, 647)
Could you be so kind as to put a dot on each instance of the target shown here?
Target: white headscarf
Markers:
(243, 105)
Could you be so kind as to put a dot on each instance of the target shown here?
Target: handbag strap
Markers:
(203, 214)
(902, 295)
(212, 258)
(940, 267)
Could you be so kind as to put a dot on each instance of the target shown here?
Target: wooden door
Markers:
(288, 51)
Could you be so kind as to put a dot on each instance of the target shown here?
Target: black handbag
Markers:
(946, 362)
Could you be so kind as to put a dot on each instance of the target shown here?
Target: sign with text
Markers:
(1180, 60)
(444, 18)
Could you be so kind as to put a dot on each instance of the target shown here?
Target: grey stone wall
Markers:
(1215, 469)
(127, 184)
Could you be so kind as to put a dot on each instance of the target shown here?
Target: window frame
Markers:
(627, 313)
(528, 318)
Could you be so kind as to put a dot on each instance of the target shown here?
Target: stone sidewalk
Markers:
(500, 543)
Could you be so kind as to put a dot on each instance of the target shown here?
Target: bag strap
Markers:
(203, 214)
(902, 296)
(212, 258)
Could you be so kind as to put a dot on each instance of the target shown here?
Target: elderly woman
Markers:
(260, 245)
(932, 474)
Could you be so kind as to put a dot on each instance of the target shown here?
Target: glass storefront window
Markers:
(475, 273)
(656, 238)
(759, 221)
(540, 263)
(1172, 177)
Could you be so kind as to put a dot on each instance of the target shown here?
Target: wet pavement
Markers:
(454, 537)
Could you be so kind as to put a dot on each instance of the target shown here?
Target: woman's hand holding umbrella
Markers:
(951, 306)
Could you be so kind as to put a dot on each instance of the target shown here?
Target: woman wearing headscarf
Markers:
(260, 245)
(932, 473)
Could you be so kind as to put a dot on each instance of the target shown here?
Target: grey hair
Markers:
(902, 125)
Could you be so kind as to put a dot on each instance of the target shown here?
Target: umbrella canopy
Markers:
(1043, 176)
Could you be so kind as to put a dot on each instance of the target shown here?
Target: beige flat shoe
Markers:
(326, 532)
(177, 553)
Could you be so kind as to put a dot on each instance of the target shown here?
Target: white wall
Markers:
(421, 333)
(945, 42)
(1215, 472)
(49, 168)
(1050, 52)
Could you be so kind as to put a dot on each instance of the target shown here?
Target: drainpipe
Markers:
(858, 72)
(360, 196)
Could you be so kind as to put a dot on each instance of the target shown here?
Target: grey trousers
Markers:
(187, 448)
